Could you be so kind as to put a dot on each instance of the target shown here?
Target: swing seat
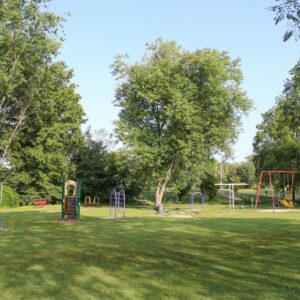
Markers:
(286, 203)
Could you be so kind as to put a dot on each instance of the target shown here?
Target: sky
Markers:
(97, 30)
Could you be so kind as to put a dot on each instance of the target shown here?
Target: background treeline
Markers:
(41, 141)
(177, 110)
(40, 113)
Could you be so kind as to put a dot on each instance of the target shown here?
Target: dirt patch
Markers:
(113, 218)
(66, 221)
(276, 210)
(176, 216)
(2, 229)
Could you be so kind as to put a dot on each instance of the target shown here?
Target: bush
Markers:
(10, 198)
(208, 187)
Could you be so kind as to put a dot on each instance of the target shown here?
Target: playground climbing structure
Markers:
(70, 204)
(117, 204)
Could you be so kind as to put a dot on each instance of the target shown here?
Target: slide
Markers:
(286, 203)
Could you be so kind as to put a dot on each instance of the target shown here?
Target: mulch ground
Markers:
(66, 221)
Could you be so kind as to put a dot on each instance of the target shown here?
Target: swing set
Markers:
(282, 201)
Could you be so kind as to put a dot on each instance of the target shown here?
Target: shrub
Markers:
(10, 198)
(208, 187)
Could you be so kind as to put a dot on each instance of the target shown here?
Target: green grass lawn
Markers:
(214, 256)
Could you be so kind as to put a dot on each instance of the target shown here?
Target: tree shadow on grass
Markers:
(150, 258)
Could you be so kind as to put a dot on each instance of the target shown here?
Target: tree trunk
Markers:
(161, 188)
(4, 148)
(159, 193)
(2, 103)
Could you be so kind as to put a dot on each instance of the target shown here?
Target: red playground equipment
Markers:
(89, 201)
(40, 202)
(271, 187)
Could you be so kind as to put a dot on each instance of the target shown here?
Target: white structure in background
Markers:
(230, 196)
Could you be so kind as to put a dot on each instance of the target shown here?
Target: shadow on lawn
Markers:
(150, 258)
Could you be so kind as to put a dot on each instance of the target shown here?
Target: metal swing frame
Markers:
(271, 188)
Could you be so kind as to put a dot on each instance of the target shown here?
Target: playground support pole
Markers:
(63, 200)
(203, 201)
(192, 202)
(124, 206)
(292, 186)
(110, 203)
(258, 189)
(272, 190)
(124, 203)
(231, 199)
(119, 196)
(78, 199)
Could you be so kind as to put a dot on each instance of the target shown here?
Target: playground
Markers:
(215, 255)
(149, 150)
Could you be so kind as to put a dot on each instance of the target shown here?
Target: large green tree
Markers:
(277, 141)
(40, 113)
(29, 42)
(43, 152)
(178, 108)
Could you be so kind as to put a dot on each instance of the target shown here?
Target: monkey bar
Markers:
(231, 197)
(270, 172)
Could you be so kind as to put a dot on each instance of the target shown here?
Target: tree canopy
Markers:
(42, 154)
(29, 42)
(178, 108)
(240, 172)
(40, 113)
(277, 141)
(288, 10)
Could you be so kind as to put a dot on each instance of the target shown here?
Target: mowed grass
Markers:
(213, 256)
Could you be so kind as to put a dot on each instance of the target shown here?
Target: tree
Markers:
(10, 198)
(101, 169)
(28, 44)
(191, 176)
(94, 167)
(243, 172)
(178, 107)
(277, 141)
(208, 186)
(42, 154)
(40, 113)
(246, 172)
(130, 173)
(288, 10)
